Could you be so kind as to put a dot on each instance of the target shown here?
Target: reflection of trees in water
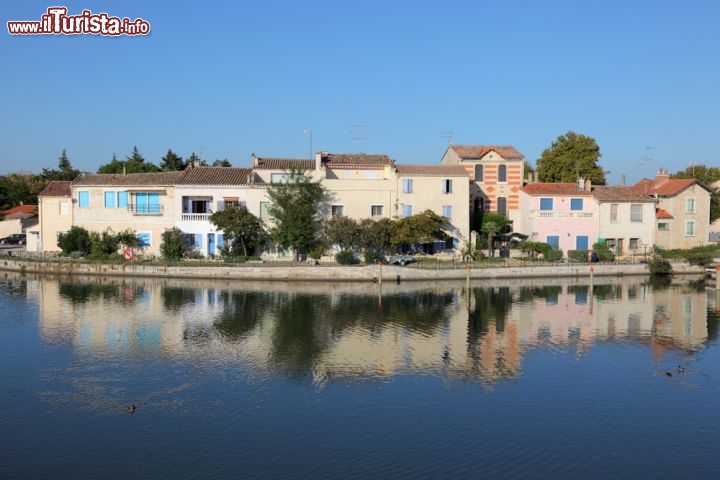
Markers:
(174, 298)
(659, 283)
(83, 292)
(14, 287)
(527, 294)
(488, 317)
(241, 313)
(713, 321)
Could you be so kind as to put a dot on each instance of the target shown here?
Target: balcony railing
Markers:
(561, 214)
(196, 217)
(145, 209)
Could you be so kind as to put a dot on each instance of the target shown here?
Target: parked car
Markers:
(401, 259)
(14, 239)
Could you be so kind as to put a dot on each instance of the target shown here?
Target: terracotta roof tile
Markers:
(554, 189)
(478, 151)
(662, 214)
(284, 164)
(619, 194)
(355, 159)
(57, 188)
(129, 179)
(432, 170)
(20, 211)
(215, 176)
(667, 188)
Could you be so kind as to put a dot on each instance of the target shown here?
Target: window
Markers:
(122, 199)
(614, 213)
(447, 211)
(546, 204)
(64, 208)
(376, 211)
(407, 185)
(554, 241)
(634, 244)
(447, 186)
(144, 239)
(581, 242)
(663, 226)
(110, 199)
(478, 173)
(502, 206)
(576, 204)
(636, 212)
(264, 215)
(279, 177)
(200, 206)
(502, 173)
(690, 205)
(84, 199)
(147, 203)
(336, 210)
(407, 210)
(690, 228)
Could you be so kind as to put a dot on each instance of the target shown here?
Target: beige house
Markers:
(682, 210)
(496, 172)
(143, 202)
(54, 217)
(626, 220)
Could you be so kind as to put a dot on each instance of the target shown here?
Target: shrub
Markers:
(660, 266)
(578, 255)
(77, 239)
(603, 252)
(373, 256)
(699, 258)
(345, 257)
(172, 246)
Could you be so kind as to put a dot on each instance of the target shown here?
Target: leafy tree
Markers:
(239, 226)
(77, 239)
(421, 228)
(194, 160)
(295, 210)
(133, 163)
(172, 246)
(492, 224)
(571, 156)
(222, 163)
(65, 169)
(20, 188)
(375, 236)
(171, 162)
(342, 231)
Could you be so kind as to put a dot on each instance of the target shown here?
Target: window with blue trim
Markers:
(147, 203)
(84, 199)
(447, 211)
(407, 185)
(546, 204)
(144, 239)
(122, 199)
(109, 199)
(554, 241)
(576, 204)
(407, 210)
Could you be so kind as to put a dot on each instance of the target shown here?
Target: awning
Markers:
(230, 199)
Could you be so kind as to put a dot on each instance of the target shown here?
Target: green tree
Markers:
(424, 227)
(171, 162)
(194, 160)
(65, 170)
(222, 163)
(571, 156)
(133, 163)
(240, 227)
(20, 189)
(77, 239)
(375, 235)
(295, 210)
(173, 246)
(492, 224)
(342, 231)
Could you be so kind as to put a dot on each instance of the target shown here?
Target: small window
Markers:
(634, 244)
(264, 215)
(122, 199)
(636, 212)
(279, 177)
(554, 241)
(576, 204)
(447, 186)
(64, 208)
(144, 239)
(663, 226)
(84, 199)
(690, 228)
(110, 199)
(407, 185)
(336, 210)
(502, 206)
(376, 210)
(546, 204)
(407, 210)
(690, 205)
(614, 212)
(502, 173)
(478, 173)
(447, 211)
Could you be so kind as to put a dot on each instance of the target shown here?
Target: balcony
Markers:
(145, 209)
(564, 214)
(196, 217)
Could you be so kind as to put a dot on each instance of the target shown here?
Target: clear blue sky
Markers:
(228, 78)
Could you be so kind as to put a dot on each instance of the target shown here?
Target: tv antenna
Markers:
(308, 132)
(358, 133)
(448, 135)
(646, 160)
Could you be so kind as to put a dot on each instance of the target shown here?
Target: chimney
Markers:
(622, 179)
(662, 177)
(581, 183)
(588, 185)
(254, 159)
(318, 160)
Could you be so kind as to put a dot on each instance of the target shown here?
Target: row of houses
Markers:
(469, 180)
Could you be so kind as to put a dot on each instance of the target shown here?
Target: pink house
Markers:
(564, 215)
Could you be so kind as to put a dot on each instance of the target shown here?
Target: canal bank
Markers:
(332, 273)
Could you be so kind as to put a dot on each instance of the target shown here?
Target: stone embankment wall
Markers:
(334, 273)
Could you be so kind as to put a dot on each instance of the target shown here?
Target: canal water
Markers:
(147, 378)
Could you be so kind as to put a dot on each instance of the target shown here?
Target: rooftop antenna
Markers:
(359, 133)
(447, 134)
(308, 132)
(646, 160)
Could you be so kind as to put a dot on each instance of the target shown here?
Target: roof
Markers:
(57, 188)
(215, 176)
(129, 179)
(566, 189)
(479, 151)
(619, 194)
(432, 170)
(666, 188)
(21, 211)
(283, 164)
(332, 159)
(661, 213)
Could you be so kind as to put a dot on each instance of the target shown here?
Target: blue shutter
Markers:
(109, 199)
(153, 203)
(546, 204)
(84, 199)
(581, 242)
(554, 241)
(122, 199)
(576, 204)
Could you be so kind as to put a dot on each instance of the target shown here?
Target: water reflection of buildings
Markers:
(480, 334)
